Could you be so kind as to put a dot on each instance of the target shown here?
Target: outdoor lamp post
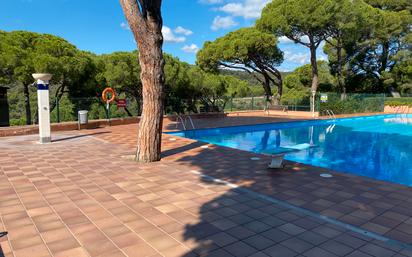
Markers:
(313, 103)
(43, 106)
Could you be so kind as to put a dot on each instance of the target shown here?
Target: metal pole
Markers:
(108, 112)
(313, 103)
(58, 110)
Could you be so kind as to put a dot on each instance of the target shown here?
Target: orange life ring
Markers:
(107, 91)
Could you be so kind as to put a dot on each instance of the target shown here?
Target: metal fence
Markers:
(336, 102)
(246, 103)
(260, 103)
(66, 108)
(350, 103)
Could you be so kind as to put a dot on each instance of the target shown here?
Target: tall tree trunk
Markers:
(384, 63)
(266, 87)
(384, 57)
(278, 96)
(315, 74)
(27, 104)
(57, 97)
(145, 21)
(341, 83)
(280, 88)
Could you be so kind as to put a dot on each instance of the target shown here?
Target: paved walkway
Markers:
(82, 196)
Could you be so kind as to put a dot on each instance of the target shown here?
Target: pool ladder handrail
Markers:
(331, 114)
(183, 120)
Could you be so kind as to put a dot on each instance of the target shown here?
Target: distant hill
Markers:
(243, 75)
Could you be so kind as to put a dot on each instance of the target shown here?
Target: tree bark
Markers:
(315, 73)
(384, 63)
(145, 21)
(280, 91)
(341, 83)
(266, 87)
(27, 104)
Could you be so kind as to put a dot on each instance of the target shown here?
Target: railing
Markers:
(183, 120)
(66, 108)
(331, 114)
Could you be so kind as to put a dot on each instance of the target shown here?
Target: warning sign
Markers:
(324, 98)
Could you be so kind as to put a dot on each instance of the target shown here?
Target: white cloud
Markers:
(322, 57)
(299, 58)
(190, 48)
(183, 31)
(248, 9)
(210, 1)
(223, 23)
(286, 40)
(170, 37)
(124, 25)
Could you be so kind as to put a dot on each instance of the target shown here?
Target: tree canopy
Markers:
(305, 22)
(245, 49)
(24, 53)
(365, 39)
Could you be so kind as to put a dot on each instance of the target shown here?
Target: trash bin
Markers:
(83, 119)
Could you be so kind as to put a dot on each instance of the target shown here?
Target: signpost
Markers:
(121, 103)
(324, 98)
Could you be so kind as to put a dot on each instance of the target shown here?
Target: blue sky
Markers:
(99, 25)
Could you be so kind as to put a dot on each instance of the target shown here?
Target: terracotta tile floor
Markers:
(82, 196)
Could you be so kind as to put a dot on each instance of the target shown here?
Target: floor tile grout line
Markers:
(57, 214)
(222, 183)
(324, 218)
(122, 221)
(327, 219)
(127, 225)
(84, 215)
(25, 209)
(8, 239)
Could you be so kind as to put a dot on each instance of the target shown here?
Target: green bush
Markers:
(295, 96)
(398, 103)
(356, 103)
(18, 122)
(404, 101)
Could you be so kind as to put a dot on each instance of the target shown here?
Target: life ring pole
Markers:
(105, 92)
(108, 112)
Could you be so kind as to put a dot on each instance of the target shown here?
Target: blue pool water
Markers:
(378, 146)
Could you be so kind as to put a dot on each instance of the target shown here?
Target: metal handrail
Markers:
(331, 113)
(191, 121)
(184, 120)
(181, 121)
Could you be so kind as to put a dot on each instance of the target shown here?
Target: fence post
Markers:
(252, 103)
(231, 104)
(58, 110)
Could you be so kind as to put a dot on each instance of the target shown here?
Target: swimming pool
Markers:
(377, 146)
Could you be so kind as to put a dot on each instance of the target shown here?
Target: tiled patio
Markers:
(82, 196)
